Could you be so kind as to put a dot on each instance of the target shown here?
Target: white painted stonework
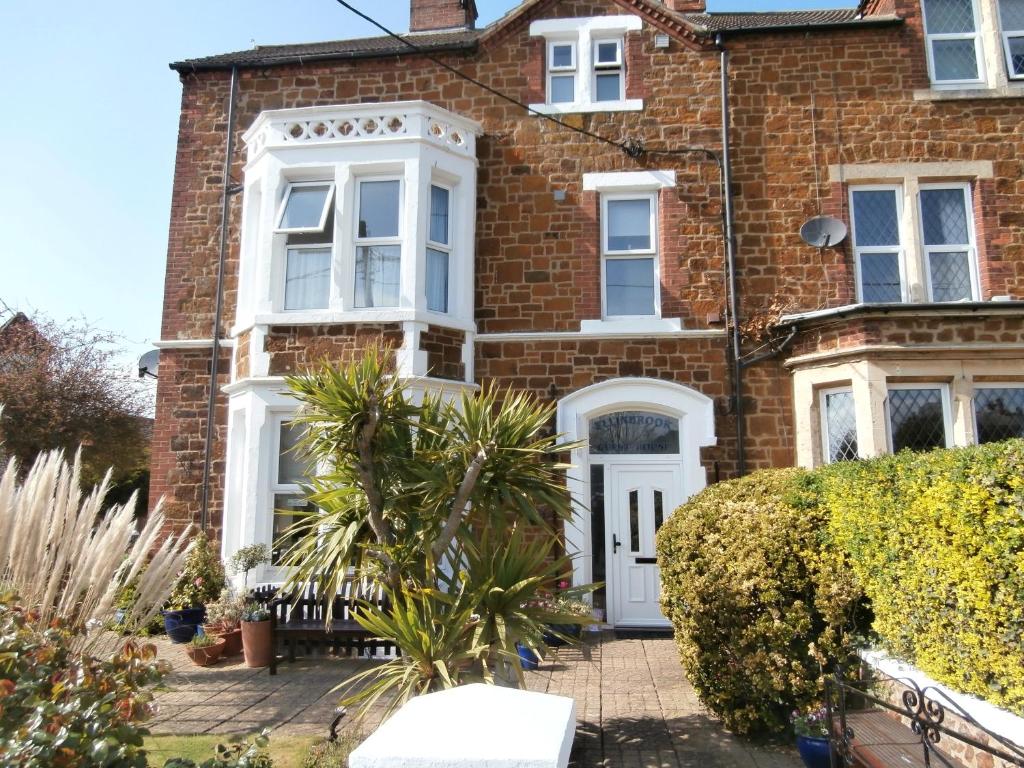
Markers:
(478, 725)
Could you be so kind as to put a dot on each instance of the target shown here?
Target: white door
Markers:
(641, 498)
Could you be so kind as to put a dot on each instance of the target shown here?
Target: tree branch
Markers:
(460, 504)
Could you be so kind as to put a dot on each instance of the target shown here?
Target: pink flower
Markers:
(199, 581)
(563, 584)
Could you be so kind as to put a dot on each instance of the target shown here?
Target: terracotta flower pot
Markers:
(232, 637)
(204, 656)
(257, 643)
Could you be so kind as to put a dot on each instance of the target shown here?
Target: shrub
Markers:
(759, 610)
(202, 579)
(937, 542)
(65, 707)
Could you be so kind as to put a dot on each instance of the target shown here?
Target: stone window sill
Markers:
(961, 94)
(576, 107)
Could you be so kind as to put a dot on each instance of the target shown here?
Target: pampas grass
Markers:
(68, 558)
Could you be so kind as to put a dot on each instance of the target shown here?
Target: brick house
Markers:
(375, 194)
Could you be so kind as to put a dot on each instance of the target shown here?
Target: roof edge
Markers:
(979, 308)
(867, 21)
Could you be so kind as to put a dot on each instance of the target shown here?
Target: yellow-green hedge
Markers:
(758, 607)
(936, 541)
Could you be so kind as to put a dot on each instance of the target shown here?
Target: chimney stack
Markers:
(439, 15)
(687, 6)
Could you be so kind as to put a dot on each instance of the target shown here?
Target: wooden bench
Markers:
(294, 622)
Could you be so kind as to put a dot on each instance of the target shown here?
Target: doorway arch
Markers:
(630, 475)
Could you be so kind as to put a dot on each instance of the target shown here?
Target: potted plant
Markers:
(257, 640)
(199, 583)
(204, 650)
(224, 617)
(811, 729)
(570, 606)
(247, 558)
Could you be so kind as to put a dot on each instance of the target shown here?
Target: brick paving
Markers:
(635, 708)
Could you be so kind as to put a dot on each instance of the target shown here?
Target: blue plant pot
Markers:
(182, 625)
(527, 657)
(569, 630)
(815, 752)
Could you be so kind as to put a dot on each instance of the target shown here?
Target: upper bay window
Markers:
(585, 63)
(962, 35)
(358, 213)
(629, 255)
(931, 242)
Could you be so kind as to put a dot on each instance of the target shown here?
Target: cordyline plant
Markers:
(68, 558)
(432, 501)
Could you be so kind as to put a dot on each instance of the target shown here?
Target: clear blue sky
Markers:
(87, 137)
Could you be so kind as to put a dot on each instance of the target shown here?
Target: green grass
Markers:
(286, 751)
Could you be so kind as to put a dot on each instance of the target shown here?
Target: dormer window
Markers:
(306, 217)
(561, 72)
(608, 78)
(585, 64)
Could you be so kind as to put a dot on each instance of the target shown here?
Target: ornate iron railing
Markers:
(925, 709)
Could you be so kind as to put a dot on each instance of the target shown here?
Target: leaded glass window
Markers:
(917, 418)
(948, 242)
(1011, 20)
(839, 420)
(954, 45)
(998, 413)
(877, 247)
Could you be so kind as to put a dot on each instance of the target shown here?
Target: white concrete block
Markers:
(475, 725)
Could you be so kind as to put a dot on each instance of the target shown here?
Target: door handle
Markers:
(615, 544)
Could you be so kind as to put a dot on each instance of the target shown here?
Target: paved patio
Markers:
(635, 708)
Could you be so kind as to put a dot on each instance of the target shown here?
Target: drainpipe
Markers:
(226, 193)
(730, 265)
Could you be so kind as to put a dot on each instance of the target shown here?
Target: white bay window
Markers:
(378, 266)
(439, 248)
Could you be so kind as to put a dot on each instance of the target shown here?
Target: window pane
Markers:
(659, 510)
(999, 413)
(1016, 63)
(634, 521)
(437, 280)
(561, 56)
(597, 539)
(916, 420)
(629, 225)
(305, 207)
(608, 53)
(291, 465)
(563, 89)
(1011, 13)
(608, 87)
(628, 432)
(307, 282)
(955, 59)
(378, 275)
(283, 504)
(629, 286)
(880, 278)
(949, 16)
(378, 208)
(841, 423)
(950, 274)
(439, 215)
(875, 218)
(944, 217)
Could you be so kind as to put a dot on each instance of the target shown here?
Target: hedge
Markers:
(936, 541)
(769, 578)
(760, 610)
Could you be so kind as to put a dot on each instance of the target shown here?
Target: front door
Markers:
(640, 498)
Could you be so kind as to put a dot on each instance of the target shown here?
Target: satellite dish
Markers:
(149, 363)
(823, 231)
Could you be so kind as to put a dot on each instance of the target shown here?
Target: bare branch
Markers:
(460, 504)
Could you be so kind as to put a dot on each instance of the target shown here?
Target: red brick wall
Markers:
(441, 14)
(537, 259)
(444, 352)
(295, 347)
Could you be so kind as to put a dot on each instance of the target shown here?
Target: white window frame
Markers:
(971, 247)
(652, 252)
(900, 250)
(618, 66)
(448, 248)
(826, 453)
(976, 36)
(361, 242)
(553, 71)
(1006, 35)
(278, 420)
(328, 202)
(979, 385)
(947, 411)
(284, 276)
